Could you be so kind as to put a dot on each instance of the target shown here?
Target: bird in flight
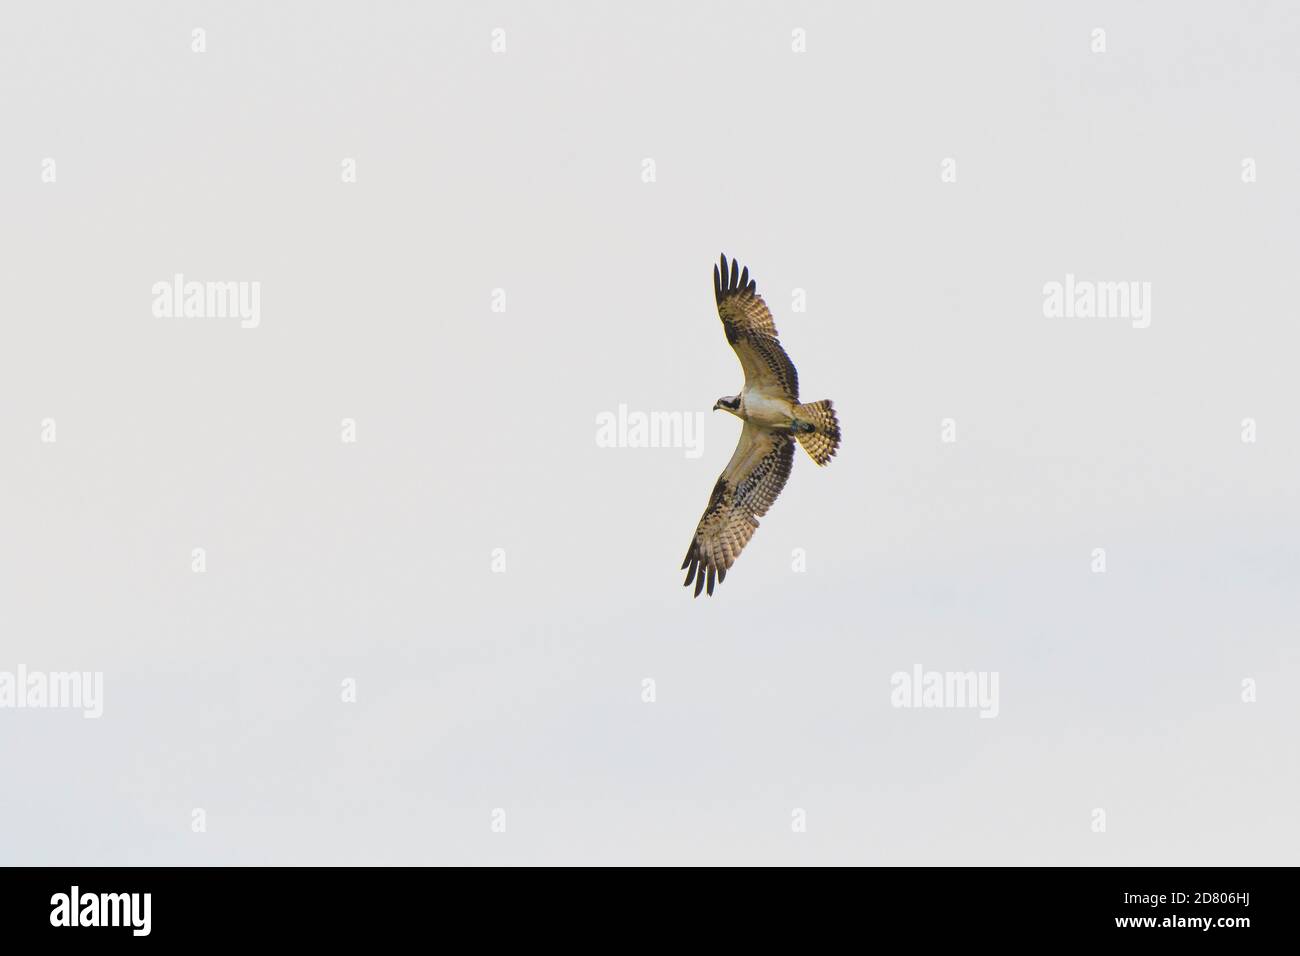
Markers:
(774, 420)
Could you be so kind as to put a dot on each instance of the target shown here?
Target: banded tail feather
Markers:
(822, 441)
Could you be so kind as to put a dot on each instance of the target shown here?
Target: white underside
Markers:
(765, 410)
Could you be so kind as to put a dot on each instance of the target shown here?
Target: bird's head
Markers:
(730, 403)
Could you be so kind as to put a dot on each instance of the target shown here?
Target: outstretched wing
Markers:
(752, 333)
(745, 490)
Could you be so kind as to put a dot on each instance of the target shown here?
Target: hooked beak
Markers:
(716, 406)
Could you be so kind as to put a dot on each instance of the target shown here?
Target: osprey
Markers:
(774, 419)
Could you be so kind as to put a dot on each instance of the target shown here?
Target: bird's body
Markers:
(765, 409)
(774, 420)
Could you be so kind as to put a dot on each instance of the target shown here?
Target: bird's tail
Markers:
(823, 438)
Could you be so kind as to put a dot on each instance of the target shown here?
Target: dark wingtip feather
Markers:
(730, 278)
(710, 585)
(699, 584)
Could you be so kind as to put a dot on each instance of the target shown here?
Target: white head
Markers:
(728, 403)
